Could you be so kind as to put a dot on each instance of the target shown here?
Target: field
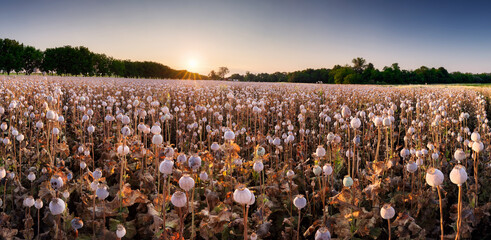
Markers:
(107, 158)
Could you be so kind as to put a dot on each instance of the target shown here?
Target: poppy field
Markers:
(111, 158)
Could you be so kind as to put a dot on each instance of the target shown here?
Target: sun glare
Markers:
(192, 65)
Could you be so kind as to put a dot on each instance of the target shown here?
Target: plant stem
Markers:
(441, 212)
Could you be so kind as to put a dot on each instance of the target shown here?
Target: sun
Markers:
(192, 65)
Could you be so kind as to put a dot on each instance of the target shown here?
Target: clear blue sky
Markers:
(261, 35)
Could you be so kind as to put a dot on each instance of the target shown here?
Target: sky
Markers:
(261, 35)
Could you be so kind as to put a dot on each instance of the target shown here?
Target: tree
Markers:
(222, 71)
(358, 64)
(32, 59)
(11, 56)
(213, 75)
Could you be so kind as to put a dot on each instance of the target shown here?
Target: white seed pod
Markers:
(387, 212)
(28, 202)
(179, 199)
(435, 156)
(55, 131)
(320, 151)
(77, 223)
(327, 169)
(194, 162)
(411, 167)
(229, 135)
(300, 201)
(347, 181)
(181, 158)
(102, 192)
(458, 175)
(169, 152)
(157, 139)
(242, 195)
(38, 204)
(475, 137)
(91, 129)
(214, 146)
(322, 234)
(120, 231)
(57, 206)
(252, 200)
(355, 123)
(317, 170)
(83, 165)
(66, 194)
(31, 176)
(56, 182)
(186, 182)
(434, 177)
(123, 150)
(203, 176)
(155, 130)
(290, 174)
(258, 166)
(477, 147)
(97, 174)
(378, 121)
(3, 173)
(94, 185)
(459, 154)
(166, 166)
(260, 151)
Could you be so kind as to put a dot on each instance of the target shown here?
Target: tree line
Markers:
(362, 73)
(76, 61)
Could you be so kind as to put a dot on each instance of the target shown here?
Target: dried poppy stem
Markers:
(378, 143)
(441, 211)
(388, 221)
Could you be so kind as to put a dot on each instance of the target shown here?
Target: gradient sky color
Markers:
(262, 35)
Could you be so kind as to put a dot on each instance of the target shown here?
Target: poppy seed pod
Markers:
(57, 206)
(97, 174)
(435, 156)
(475, 137)
(229, 135)
(77, 223)
(459, 155)
(203, 176)
(345, 112)
(38, 204)
(155, 130)
(252, 200)
(242, 195)
(300, 201)
(181, 158)
(290, 174)
(102, 192)
(317, 170)
(458, 175)
(186, 182)
(31, 177)
(405, 153)
(28, 202)
(157, 139)
(387, 212)
(83, 165)
(120, 231)
(322, 234)
(123, 150)
(194, 162)
(327, 169)
(320, 151)
(179, 199)
(169, 152)
(355, 123)
(258, 166)
(56, 182)
(260, 151)
(166, 166)
(434, 177)
(477, 147)
(411, 167)
(347, 181)
(378, 121)
(214, 146)
(3, 173)
(91, 129)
